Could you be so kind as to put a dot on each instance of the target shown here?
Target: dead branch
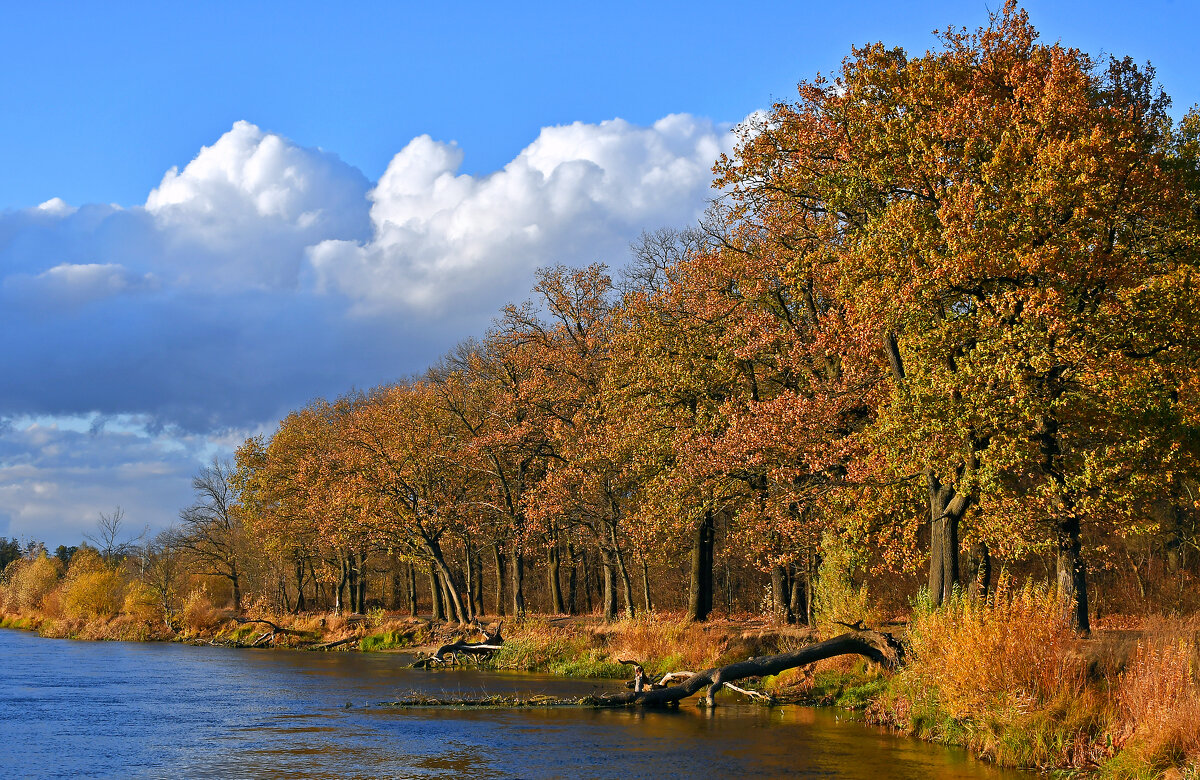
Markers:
(877, 646)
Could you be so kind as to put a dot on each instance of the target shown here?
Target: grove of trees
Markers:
(941, 303)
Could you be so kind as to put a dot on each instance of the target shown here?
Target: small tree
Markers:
(211, 530)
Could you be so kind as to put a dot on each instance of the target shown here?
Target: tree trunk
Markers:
(362, 582)
(435, 590)
(700, 588)
(649, 605)
(1072, 577)
(552, 581)
(572, 581)
(798, 606)
(878, 647)
(518, 581)
(501, 578)
(626, 584)
(476, 565)
(412, 590)
(609, 597)
(780, 595)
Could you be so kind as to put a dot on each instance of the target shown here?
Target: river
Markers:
(123, 709)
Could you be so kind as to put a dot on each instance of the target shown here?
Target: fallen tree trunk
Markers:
(491, 643)
(876, 646)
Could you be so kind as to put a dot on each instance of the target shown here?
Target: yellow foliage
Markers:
(29, 582)
(142, 604)
(1013, 651)
(93, 593)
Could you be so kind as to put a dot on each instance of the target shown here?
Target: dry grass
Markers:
(1010, 652)
(1155, 708)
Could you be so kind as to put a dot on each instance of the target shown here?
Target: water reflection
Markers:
(82, 709)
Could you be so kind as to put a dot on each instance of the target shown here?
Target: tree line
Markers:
(940, 303)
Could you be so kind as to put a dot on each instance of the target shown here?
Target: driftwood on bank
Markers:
(876, 646)
(453, 652)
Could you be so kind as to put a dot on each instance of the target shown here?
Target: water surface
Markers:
(121, 709)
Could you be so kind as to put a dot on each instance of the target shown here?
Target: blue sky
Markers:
(213, 212)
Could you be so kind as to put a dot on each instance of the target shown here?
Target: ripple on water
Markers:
(114, 709)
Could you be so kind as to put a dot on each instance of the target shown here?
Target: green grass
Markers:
(385, 640)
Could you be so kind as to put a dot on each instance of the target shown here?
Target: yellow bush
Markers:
(93, 593)
(1011, 652)
(29, 582)
(142, 604)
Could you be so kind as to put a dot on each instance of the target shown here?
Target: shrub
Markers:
(29, 582)
(199, 614)
(1157, 702)
(143, 604)
(93, 593)
(1012, 651)
(835, 596)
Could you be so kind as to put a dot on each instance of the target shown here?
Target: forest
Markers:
(935, 337)
(941, 314)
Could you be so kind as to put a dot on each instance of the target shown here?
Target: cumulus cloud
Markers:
(263, 274)
(246, 207)
(578, 193)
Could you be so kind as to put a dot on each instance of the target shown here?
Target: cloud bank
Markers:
(264, 273)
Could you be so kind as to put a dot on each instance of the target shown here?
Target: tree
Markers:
(108, 537)
(211, 531)
(997, 213)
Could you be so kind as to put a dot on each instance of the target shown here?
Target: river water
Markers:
(121, 709)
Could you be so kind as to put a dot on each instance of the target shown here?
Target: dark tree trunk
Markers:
(552, 581)
(799, 601)
(572, 581)
(946, 508)
(397, 591)
(780, 595)
(362, 582)
(609, 597)
(700, 588)
(1072, 576)
(412, 590)
(501, 578)
(588, 581)
(476, 565)
(647, 603)
(435, 590)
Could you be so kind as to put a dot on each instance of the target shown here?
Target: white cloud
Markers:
(578, 193)
(261, 275)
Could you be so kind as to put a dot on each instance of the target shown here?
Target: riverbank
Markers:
(1004, 679)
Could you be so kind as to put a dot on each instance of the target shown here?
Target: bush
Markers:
(835, 596)
(90, 594)
(143, 604)
(29, 582)
(1157, 703)
(1012, 651)
(199, 614)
